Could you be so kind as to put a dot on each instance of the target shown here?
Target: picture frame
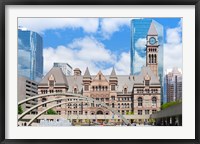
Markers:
(3, 88)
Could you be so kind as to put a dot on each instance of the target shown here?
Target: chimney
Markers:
(77, 72)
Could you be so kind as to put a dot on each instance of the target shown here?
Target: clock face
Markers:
(152, 40)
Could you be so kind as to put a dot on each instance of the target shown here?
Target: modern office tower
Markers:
(26, 89)
(66, 68)
(174, 85)
(30, 54)
(139, 32)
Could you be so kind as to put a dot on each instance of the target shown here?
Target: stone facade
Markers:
(137, 95)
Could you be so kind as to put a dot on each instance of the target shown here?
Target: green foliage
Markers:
(151, 120)
(20, 110)
(166, 105)
(51, 112)
(130, 113)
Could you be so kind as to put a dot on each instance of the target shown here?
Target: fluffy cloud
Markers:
(111, 25)
(87, 52)
(123, 65)
(141, 43)
(89, 25)
(90, 49)
(173, 52)
(141, 61)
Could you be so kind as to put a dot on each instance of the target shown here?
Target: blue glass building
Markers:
(30, 54)
(139, 30)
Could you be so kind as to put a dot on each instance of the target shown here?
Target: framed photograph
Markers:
(100, 71)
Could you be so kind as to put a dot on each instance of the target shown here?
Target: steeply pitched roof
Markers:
(113, 74)
(87, 73)
(59, 76)
(146, 71)
(152, 29)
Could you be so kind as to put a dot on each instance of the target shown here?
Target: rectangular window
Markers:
(139, 112)
(112, 87)
(146, 112)
(112, 97)
(86, 87)
(146, 82)
(51, 83)
(154, 111)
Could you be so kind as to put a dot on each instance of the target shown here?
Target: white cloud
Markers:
(141, 43)
(140, 62)
(89, 25)
(81, 53)
(111, 25)
(90, 49)
(123, 65)
(173, 51)
(87, 52)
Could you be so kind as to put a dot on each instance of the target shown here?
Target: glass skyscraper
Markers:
(139, 30)
(30, 54)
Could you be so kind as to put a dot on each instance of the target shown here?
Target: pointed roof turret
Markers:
(87, 73)
(113, 74)
(152, 29)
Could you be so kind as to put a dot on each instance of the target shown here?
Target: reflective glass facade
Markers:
(30, 55)
(139, 30)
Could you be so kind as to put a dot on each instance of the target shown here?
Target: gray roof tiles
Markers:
(87, 73)
(59, 76)
(123, 80)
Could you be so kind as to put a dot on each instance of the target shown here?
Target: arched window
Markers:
(152, 58)
(139, 101)
(154, 101)
(155, 59)
(113, 105)
(43, 100)
(75, 90)
(149, 58)
(125, 90)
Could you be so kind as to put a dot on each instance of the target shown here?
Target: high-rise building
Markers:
(26, 89)
(30, 54)
(139, 32)
(66, 68)
(173, 85)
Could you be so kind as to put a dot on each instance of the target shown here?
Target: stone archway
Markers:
(99, 112)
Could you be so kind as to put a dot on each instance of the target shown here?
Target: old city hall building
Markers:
(133, 96)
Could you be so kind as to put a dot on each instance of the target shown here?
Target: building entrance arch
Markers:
(99, 112)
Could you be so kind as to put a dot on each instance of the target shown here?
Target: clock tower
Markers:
(152, 49)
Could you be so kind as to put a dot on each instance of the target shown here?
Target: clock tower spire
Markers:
(152, 49)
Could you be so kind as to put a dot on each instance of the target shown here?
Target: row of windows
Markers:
(146, 112)
(50, 91)
(125, 105)
(147, 91)
(140, 101)
(97, 88)
(152, 58)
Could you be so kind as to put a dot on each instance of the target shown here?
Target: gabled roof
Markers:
(87, 73)
(139, 79)
(59, 76)
(152, 29)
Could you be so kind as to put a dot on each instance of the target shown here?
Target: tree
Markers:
(51, 112)
(166, 105)
(20, 110)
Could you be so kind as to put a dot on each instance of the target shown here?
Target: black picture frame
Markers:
(3, 5)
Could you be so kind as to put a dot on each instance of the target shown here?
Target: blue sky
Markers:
(99, 43)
